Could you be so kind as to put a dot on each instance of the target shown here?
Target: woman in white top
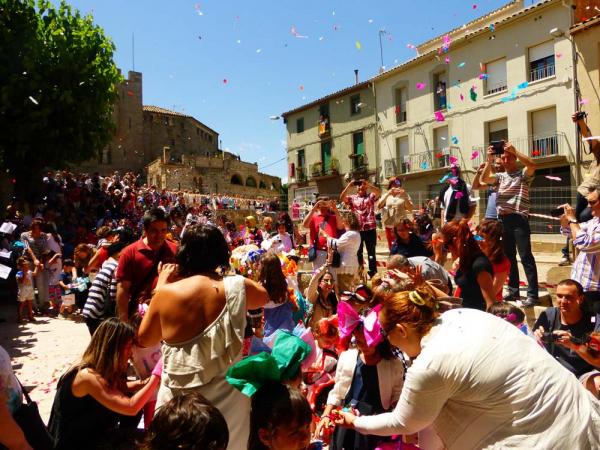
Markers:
(201, 320)
(347, 245)
(480, 382)
(395, 206)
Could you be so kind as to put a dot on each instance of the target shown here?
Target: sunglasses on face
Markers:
(327, 281)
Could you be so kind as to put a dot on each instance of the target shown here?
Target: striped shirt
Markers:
(513, 193)
(103, 288)
(586, 268)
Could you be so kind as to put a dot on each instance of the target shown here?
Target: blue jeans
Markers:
(517, 235)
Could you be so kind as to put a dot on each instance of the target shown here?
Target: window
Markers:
(250, 182)
(400, 108)
(355, 104)
(300, 125)
(262, 184)
(441, 158)
(544, 140)
(210, 138)
(541, 61)
(301, 158)
(197, 131)
(236, 179)
(301, 168)
(496, 76)
(358, 151)
(324, 125)
(402, 155)
(440, 83)
(498, 130)
(326, 156)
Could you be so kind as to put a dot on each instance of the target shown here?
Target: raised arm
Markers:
(308, 218)
(344, 194)
(311, 291)
(529, 163)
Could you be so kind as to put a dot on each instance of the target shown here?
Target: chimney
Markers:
(356, 75)
(166, 155)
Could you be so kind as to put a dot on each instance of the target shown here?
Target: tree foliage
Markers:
(58, 85)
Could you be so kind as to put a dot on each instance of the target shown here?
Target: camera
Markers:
(548, 337)
(580, 115)
(498, 147)
(557, 212)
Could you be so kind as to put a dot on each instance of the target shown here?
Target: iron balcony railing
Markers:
(300, 174)
(420, 162)
(358, 161)
(319, 170)
(542, 72)
(535, 146)
(500, 86)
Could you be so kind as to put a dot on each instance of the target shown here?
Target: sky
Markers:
(233, 64)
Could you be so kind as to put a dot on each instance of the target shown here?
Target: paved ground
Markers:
(41, 352)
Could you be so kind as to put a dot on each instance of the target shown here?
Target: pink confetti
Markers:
(474, 6)
(439, 116)
(584, 101)
(559, 55)
(459, 195)
(462, 97)
(550, 177)
(474, 155)
(225, 81)
(301, 87)
(453, 159)
(421, 86)
(447, 60)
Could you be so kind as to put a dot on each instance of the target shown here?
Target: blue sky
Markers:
(186, 50)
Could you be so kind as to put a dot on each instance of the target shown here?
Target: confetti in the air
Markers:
(453, 160)
(424, 165)
(478, 237)
(550, 177)
(454, 140)
(584, 101)
(296, 34)
(198, 10)
(472, 93)
(462, 98)
(559, 55)
(492, 27)
(474, 155)
(301, 87)
(592, 138)
(225, 81)
(439, 116)
(459, 195)
(461, 65)
(447, 60)
(358, 45)
(420, 86)
(33, 100)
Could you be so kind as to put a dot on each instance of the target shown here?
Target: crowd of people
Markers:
(232, 348)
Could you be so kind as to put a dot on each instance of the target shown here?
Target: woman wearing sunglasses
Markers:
(347, 245)
(479, 381)
(395, 205)
(321, 293)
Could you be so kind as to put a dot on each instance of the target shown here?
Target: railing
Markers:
(319, 170)
(500, 86)
(400, 115)
(358, 161)
(419, 162)
(536, 147)
(542, 72)
(300, 174)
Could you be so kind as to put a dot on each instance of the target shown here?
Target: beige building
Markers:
(507, 75)
(330, 138)
(221, 173)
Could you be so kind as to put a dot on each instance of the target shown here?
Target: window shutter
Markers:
(541, 51)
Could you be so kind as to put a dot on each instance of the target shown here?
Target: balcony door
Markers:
(402, 154)
(441, 157)
(543, 126)
(326, 156)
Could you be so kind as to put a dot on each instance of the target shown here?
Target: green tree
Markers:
(58, 85)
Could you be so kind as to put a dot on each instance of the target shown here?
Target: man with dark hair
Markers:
(556, 325)
(512, 205)
(430, 270)
(139, 263)
(323, 216)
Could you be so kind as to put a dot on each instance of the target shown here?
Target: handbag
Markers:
(28, 418)
(336, 258)
(312, 252)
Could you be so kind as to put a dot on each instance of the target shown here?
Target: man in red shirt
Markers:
(363, 205)
(138, 267)
(324, 215)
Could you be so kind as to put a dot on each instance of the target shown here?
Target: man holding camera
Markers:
(363, 205)
(557, 328)
(324, 215)
(512, 206)
(586, 237)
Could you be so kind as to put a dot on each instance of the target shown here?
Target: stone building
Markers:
(141, 132)
(220, 172)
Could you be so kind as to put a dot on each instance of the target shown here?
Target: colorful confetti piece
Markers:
(559, 55)
(33, 100)
(462, 98)
(584, 101)
(492, 27)
(483, 76)
(438, 155)
(454, 140)
(472, 93)
(535, 153)
(592, 138)
(461, 65)
(439, 116)
(225, 81)
(474, 155)
(523, 85)
(459, 195)
(478, 238)
(358, 45)
(453, 159)
(424, 165)
(421, 86)
(447, 60)
(550, 177)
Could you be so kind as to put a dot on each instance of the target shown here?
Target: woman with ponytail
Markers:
(474, 275)
(478, 382)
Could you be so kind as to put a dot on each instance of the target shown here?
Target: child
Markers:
(144, 359)
(280, 418)
(368, 378)
(281, 242)
(26, 292)
(66, 280)
(511, 314)
(187, 421)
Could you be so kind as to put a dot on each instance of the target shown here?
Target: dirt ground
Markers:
(42, 351)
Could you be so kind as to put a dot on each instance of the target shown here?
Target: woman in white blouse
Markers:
(395, 205)
(480, 382)
(347, 245)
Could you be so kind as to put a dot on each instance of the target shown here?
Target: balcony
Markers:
(421, 162)
(324, 128)
(549, 145)
(358, 161)
(495, 88)
(541, 72)
(301, 175)
(319, 170)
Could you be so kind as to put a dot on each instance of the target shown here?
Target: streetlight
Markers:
(382, 32)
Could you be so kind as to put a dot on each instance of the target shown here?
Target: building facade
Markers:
(219, 173)
(329, 139)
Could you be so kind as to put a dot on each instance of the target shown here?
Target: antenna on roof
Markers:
(133, 50)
